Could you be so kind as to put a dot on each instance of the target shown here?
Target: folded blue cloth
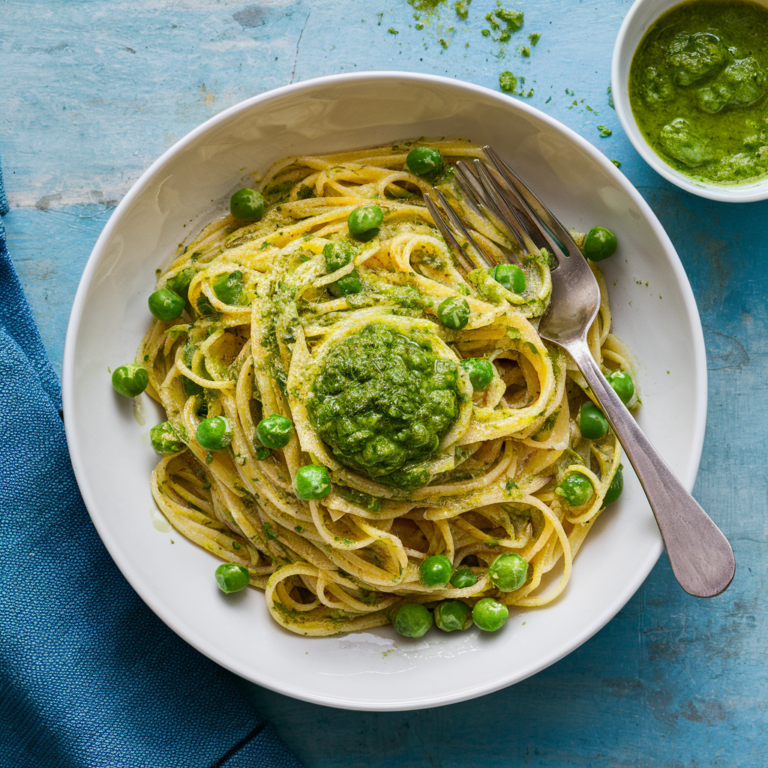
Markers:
(89, 676)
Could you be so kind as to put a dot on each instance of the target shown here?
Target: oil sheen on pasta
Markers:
(420, 463)
(697, 89)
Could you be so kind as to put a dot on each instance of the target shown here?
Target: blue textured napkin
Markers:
(89, 676)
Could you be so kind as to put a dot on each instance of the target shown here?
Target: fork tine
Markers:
(458, 225)
(445, 231)
(475, 255)
(553, 231)
(470, 197)
(510, 215)
(481, 205)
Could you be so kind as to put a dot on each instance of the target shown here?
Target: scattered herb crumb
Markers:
(493, 23)
(534, 38)
(513, 19)
(419, 26)
(444, 43)
(617, 163)
(604, 131)
(525, 51)
(507, 82)
(548, 100)
(461, 8)
(393, 31)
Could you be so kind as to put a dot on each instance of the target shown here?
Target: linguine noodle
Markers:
(346, 561)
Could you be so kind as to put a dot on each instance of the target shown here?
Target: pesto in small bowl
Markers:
(697, 88)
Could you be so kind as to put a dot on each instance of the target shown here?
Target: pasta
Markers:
(421, 461)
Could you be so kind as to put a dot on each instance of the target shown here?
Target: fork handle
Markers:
(700, 555)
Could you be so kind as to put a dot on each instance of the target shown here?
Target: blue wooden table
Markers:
(93, 91)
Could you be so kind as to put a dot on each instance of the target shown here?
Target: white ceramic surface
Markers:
(640, 18)
(654, 312)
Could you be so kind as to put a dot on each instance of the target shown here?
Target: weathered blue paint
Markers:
(94, 91)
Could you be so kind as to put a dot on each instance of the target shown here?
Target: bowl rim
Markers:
(131, 573)
(724, 193)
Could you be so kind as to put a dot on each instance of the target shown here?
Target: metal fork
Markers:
(700, 555)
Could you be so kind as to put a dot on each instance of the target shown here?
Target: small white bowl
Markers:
(636, 23)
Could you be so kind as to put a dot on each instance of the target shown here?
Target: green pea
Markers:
(490, 614)
(247, 205)
(179, 283)
(337, 255)
(214, 434)
(165, 305)
(575, 489)
(164, 438)
(510, 277)
(228, 287)
(622, 385)
(480, 372)
(615, 488)
(452, 615)
(425, 161)
(312, 482)
(412, 620)
(453, 313)
(275, 431)
(232, 577)
(463, 578)
(364, 222)
(347, 285)
(592, 422)
(130, 380)
(508, 572)
(599, 244)
(435, 571)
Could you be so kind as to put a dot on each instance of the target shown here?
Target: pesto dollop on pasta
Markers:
(382, 402)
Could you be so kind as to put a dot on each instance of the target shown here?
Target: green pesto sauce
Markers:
(697, 87)
(382, 402)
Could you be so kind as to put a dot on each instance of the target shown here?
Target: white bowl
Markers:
(640, 18)
(654, 312)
